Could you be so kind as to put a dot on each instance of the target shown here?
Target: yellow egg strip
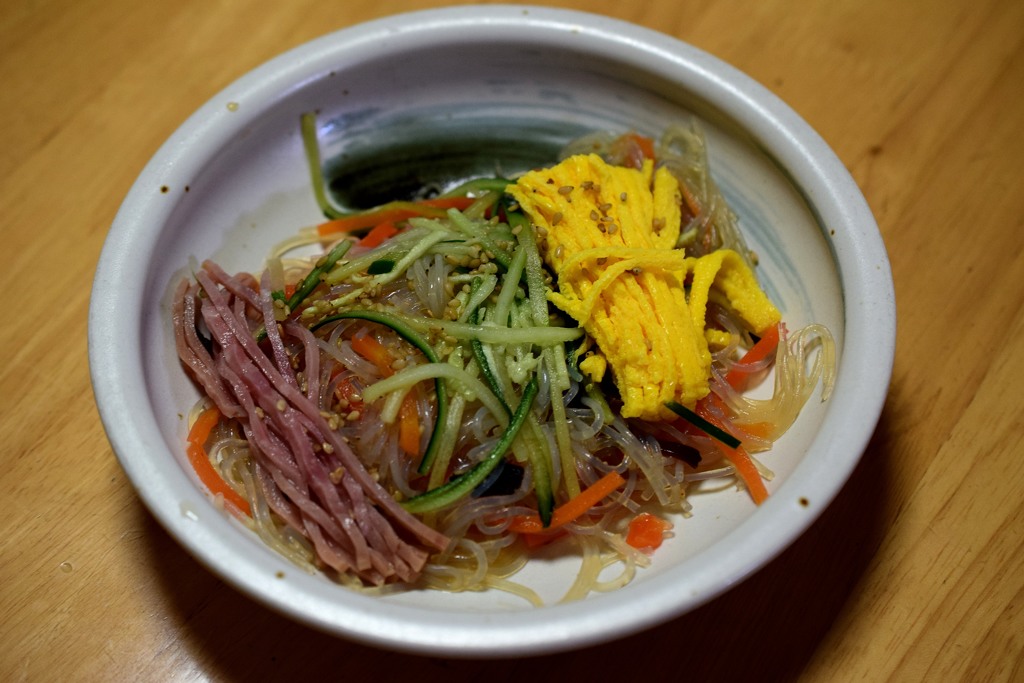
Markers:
(609, 233)
(727, 272)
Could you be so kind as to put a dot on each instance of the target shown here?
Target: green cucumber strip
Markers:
(555, 362)
(702, 424)
(380, 266)
(478, 231)
(540, 464)
(323, 266)
(312, 147)
(485, 366)
(460, 487)
(310, 282)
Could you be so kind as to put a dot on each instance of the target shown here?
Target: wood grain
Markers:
(915, 572)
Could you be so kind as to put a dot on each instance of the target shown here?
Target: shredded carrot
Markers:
(764, 347)
(372, 350)
(367, 346)
(348, 392)
(198, 435)
(646, 531)
(394, 212)
(571, 510)
(409, 426)
(691, 202)
(378, 234)
(645, 144)
(740, 459)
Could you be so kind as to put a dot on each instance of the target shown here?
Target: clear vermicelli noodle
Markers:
(456, 382)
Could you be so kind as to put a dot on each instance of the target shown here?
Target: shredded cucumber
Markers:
(459, 487)
(554, 362)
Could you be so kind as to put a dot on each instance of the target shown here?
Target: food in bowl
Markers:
(232, 180)
(462, 377)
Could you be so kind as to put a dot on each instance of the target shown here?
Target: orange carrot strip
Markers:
(347, 391)
(409, 426)
(764, 347)
(691, 202)
(740, 459)
(645, 144)
(571, 510)
(394, 212)
(646, 531)
(372, 350)
(378, 234)
(367, 346)
(537, 540)
(198, 435)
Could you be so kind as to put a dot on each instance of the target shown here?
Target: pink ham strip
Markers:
(351, 523)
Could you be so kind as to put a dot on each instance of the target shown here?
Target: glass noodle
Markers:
(440, 335)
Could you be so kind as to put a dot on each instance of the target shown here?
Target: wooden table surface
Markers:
(916, 571)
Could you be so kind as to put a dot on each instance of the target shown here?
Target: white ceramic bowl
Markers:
(232, 181)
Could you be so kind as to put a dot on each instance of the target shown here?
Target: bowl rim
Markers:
(866, 365)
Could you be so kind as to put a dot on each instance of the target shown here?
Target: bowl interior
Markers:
(424, 93)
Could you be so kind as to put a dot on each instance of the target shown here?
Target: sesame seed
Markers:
(587, 184)
(612, 228)
(602, 260)
(565, 189)
(559, 251)
(637, 270)
(354, 415)
(556, 218)
(622, 197)
(337, 475)
(281, 405)
(594, 215)
(604, 207)
(328, 448)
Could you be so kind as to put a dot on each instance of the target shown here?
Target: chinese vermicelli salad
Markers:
(458, 379)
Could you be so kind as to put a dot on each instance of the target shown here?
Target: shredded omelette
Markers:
(609, 235)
